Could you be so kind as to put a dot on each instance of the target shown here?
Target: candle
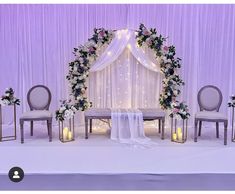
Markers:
(179, 130)
(174, 136)
(70, 135)
(180, 136)
(65, 133)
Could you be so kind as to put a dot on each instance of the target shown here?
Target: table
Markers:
(149, 114)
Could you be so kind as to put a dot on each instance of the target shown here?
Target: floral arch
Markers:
(86, 54)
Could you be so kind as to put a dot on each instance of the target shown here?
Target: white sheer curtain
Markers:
(37, 43)
(124, 76)
(125, 84)
(126, 39)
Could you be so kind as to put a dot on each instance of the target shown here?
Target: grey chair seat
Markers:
(36, 114)
(210, 115)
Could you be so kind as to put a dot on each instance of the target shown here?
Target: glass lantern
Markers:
(9, 137)
(66, 130)
(179, 130)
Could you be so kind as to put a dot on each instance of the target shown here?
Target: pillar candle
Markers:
(174, 136)
(65, 133)
(70, 135)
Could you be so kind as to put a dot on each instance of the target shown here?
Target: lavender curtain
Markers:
(36, 43)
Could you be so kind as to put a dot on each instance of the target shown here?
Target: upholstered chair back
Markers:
(39, 98)
(209, 98)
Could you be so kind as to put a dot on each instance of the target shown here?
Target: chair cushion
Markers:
(106, 112)
(36, 114)
(210, 115)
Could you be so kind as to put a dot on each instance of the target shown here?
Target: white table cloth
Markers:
(128, 126)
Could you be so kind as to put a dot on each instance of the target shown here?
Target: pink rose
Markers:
(176, 110)
(165, 48)
(146, 32)
(149, 41)
(91, 49)
(101, 33)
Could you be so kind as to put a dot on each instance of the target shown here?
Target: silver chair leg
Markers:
(163, 129)
(86, 128)
(217, 129)
(22, 131)
(225, 132)
(195, 130)
(50, 129)
(90, 125)
(31, 128)
(159, 126)
(200, 128)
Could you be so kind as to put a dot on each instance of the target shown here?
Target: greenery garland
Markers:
(87, 54)
(169, 65)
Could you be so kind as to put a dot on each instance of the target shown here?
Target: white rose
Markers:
(175, 92)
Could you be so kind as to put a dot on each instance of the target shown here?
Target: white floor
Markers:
(99, 154)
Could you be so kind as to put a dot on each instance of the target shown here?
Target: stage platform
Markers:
(99, 163)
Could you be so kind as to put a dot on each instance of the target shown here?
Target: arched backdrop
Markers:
(37, 41)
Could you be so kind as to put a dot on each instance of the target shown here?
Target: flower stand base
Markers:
(10, 137)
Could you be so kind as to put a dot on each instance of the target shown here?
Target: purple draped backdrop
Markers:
(36, 43)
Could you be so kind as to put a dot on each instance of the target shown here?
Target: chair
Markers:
(209, 99)
(39, 99)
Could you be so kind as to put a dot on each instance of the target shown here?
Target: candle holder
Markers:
(9, 137)
(66, 134)
(179, 130)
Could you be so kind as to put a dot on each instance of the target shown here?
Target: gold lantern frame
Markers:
(71, 129)
(9, 137)
(174, 127)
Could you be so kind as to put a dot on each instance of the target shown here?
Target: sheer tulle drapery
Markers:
(37, 43)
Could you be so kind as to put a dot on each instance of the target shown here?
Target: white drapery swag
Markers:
(125, 39)
(128, 127)
(125, 76)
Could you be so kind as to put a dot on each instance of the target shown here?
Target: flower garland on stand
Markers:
(85, 55)
(8, 98)
(169, 65)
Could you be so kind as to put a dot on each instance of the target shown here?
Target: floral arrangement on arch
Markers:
(8, 98)
(231, 103)
(85, 55)
(169, 65)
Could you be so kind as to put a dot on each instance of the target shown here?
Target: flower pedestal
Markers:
(9, 137)
(179, 130)
(233, 134)
(66, 134)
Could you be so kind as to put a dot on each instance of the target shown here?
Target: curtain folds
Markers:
(37, 42)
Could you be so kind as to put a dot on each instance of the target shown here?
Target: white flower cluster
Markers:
(4, 102)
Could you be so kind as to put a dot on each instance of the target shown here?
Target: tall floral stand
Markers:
(9, 137)
(66, 130)
(233, 134)
(179, 130)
